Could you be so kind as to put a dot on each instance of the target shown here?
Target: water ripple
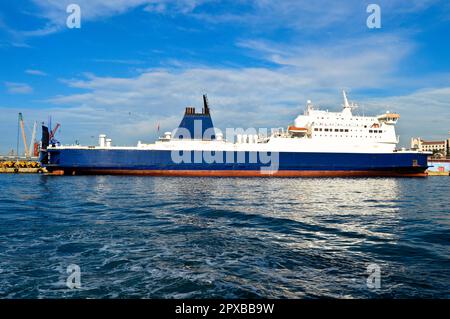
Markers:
(223, 237)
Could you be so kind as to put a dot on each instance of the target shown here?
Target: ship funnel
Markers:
(102, 140)
(195, 124)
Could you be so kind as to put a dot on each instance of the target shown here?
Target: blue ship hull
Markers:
(289, 164)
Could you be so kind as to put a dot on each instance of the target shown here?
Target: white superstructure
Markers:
(343, 131)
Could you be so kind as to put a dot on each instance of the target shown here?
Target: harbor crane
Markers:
(52, 134)
(31, 149)
(24, 137)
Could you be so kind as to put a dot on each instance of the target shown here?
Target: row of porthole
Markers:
(342, 125)
(341, 118)
(343, 130)
(347, 136)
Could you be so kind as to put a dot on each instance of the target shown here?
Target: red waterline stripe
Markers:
(242, 173)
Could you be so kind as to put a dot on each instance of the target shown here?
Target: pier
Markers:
(439, 167)
(20, 166)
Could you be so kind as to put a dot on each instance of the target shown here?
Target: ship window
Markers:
(341, 130)
(336, 130)
(346, 130)
(370, 131)
(315, 129)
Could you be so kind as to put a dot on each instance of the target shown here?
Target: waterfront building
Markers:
(439, 148)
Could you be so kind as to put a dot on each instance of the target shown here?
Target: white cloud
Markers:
(300, 15)
(35, 72)
(54, 14)
(239, 98)
(424, 113)
(174, 6)
(18, 88)
(119, 61)
(128, 109)
(359, 62)
(305, 15)
(55, 10)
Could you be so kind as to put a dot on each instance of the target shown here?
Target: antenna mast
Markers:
(346, 104)
(205, 104)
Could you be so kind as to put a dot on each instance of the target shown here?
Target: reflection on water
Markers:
(223, 237)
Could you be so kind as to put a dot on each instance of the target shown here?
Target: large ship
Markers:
(318, 143)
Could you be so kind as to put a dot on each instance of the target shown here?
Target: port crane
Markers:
(26, 165)
(24, 137)
(53, 132)
(31, 149)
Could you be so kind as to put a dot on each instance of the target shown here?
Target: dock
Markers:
(21, 167)
(439, 167)
(431, 173)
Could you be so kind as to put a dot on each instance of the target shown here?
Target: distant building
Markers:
(439, 148)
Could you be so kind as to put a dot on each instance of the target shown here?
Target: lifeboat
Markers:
(389, 118)
(296, 129)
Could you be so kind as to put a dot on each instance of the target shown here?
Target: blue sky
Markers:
(137, 63)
